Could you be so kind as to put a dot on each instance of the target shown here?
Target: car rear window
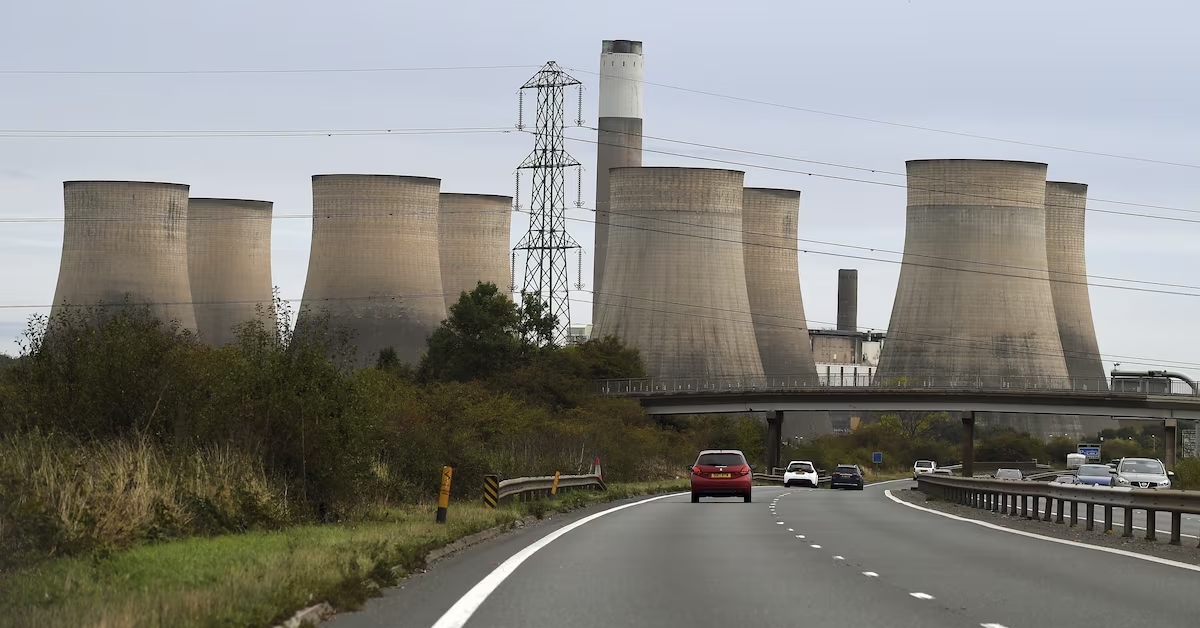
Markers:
(720, 460)
(847, 468)
(924, 464)
(800, 467)
(1092, 469)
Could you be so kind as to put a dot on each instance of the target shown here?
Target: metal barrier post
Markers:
(1074, 513)
(1058, 517)
(1049, 507)
(1128, 514)
(491, 491)
(1176, 523)
(1108, 526)
(1150, 519)
(1012, 505)
(444, 494)
(1090, 513)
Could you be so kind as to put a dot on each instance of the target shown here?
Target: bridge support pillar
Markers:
(774, 439)
(968, 445)
(1170, 426)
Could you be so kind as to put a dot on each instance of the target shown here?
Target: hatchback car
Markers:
(800, 473)
(1008, 474)
(721, 473)
(846, 476)
(921, 467)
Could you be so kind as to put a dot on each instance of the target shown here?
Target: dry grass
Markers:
(256, 578)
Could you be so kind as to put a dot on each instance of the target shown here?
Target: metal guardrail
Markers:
(799, 383)
(534, 487)
(1015, 497)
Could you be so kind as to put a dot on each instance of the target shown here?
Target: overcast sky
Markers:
(1107, 77)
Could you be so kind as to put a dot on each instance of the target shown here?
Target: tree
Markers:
(6, 361)
(486, 333)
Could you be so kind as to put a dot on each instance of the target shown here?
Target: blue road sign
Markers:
(877, 457)
(1091, 452)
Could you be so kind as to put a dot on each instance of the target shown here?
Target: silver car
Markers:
(1142, 473)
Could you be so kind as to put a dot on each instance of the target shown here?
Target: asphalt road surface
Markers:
(793, 557)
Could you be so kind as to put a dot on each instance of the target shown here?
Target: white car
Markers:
(922, 467)
(800, 473)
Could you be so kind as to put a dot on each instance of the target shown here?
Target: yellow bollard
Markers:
(444, 494)
(554, 487)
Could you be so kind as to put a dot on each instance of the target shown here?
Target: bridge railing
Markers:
(1083, 385)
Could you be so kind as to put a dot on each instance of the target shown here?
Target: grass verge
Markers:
(257, 578)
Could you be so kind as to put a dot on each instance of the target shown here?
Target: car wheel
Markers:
(860, 487)
(747, 498)
(695, 498)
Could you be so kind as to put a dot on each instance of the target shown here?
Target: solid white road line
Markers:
(921, 596)
(466, 606)
(1084, 545)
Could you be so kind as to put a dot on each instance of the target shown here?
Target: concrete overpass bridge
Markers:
(1124, 397)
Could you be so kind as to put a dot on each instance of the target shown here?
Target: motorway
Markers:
(792, 557)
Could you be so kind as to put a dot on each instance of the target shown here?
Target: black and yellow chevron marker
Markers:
(491, 490)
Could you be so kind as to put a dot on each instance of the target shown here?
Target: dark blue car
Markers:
(1094, 474)
(846, 476)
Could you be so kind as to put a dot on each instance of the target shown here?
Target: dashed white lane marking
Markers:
(816, 546)
(921, 596)
(870, 574)
(461, 611)
(992, 526)
(791, 530)
(839, 558)
(993, 626)
(779, 522)
(799, 536)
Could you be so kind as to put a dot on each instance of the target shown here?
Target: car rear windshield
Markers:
(846, 468)
(1008, 473)
(720, 460)
(924, 464)
(1142, 466)
(800, 467)
(1092, 469)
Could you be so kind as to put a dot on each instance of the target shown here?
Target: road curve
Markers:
(793, 557)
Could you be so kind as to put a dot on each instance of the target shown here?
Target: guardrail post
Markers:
(491, 491)
(1108, 527)
(1150, 520)
(444, 494)
(1176, 523)
(996, 502)
(968, 445)
(1074, 513)
(1012, 505)
(1090, 513)
(1128, 522)
(1025, 506)
(1049, 508)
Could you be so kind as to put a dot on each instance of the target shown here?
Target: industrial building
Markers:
(618, 141)
(374, 268)
(1066, 204)
(229, 265)
(126, 240)
(473, 239)
(673, 290)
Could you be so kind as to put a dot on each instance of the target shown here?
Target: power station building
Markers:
(374, 269)
(618, 141)
(676, 280)
(126, 240)
(229, 265)
(473, 239)
(1066, 204)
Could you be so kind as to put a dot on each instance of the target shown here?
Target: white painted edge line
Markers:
(921, 596)
(461, 611)
(1098, 548)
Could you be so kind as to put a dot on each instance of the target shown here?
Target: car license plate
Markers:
(722, 475)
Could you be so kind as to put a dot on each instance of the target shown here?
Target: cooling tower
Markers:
(126, 239)
(473, 239)
(619, 140)
(847, 300)
(374, 266)
(229, 265)
(1065, 205)
(676, 281)
(974, 298)
(769, 232)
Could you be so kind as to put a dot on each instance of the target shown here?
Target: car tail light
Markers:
(744, 472)
(696, 470)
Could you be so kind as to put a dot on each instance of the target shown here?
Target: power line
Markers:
(199, 134)
(268, 71)
(901, 124)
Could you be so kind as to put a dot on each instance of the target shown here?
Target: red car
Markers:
(721, 473)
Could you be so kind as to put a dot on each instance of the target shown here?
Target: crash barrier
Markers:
(1020, 498)
(526, 489)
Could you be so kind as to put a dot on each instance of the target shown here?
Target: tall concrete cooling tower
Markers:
(473, 242)
(374, 265)
(126, 239)
(1065, 207)
(619, 141)
(676, 286)
(769, 230)
(229, 265)
(974, 295)
(847, 300)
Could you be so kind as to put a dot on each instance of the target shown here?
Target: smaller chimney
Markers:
(847, 300)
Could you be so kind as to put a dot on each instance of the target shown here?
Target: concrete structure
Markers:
(579, 334)
(473, 241)
(229, 265)
(847, 300)
(126, 239)
(374, 266)
(1065, 207)
(676, 281)
(974, 297)
(619, 140)
(846, 358)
